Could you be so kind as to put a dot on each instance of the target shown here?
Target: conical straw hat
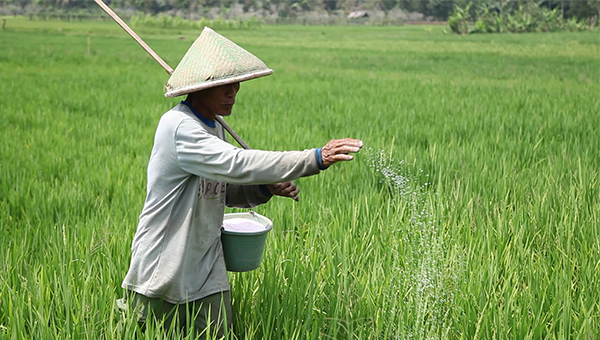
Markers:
(213, 60)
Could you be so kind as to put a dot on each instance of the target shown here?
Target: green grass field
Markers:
(472, 213)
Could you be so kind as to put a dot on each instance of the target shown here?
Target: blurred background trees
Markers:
(430, 9)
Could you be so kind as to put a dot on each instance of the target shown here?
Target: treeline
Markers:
(431, 9)
(528, 17)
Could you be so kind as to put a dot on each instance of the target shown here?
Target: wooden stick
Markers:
(232, 133)
(162, 63)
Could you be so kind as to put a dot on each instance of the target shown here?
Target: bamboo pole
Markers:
(162, 63)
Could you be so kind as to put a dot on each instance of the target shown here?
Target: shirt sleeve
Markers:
(203, 154)
(246, 196)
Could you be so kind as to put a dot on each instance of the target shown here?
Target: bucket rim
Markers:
(250, 216)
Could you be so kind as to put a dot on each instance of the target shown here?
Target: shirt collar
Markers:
(210, 123)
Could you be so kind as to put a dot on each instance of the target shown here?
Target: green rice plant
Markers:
(427, 277)
(474, 215)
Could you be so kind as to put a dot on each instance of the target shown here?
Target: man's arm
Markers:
(206, 155)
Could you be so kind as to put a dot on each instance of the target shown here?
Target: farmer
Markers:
(177, 271)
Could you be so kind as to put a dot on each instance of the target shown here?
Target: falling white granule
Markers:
(242, 225)
(427, 278)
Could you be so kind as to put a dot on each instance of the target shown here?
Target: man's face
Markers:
(220, 99)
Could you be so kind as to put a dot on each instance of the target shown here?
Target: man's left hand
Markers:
(285, 189)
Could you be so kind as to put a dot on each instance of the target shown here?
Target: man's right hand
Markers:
(338, 150)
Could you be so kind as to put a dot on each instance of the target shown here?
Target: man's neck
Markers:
(209, 122)
(201, 109)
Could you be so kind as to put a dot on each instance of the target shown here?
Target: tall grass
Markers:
(475, 214)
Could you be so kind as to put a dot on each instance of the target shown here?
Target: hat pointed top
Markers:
(213, 60)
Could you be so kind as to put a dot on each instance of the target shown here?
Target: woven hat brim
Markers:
(219, 82)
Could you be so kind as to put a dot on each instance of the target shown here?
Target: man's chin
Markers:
(225, 113)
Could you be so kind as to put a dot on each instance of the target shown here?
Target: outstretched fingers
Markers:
(346, 149)
(338, 149)
(341, 157)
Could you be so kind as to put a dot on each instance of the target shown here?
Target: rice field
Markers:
(472, 213)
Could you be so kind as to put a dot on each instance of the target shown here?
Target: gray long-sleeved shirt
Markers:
(192, 174)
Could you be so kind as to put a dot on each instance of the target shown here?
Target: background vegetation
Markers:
(530, 17)
(322, 11)
(473, 214)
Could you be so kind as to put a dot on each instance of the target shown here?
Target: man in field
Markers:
(177, 271)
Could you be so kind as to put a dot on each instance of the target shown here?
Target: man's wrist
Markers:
(263, 188)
